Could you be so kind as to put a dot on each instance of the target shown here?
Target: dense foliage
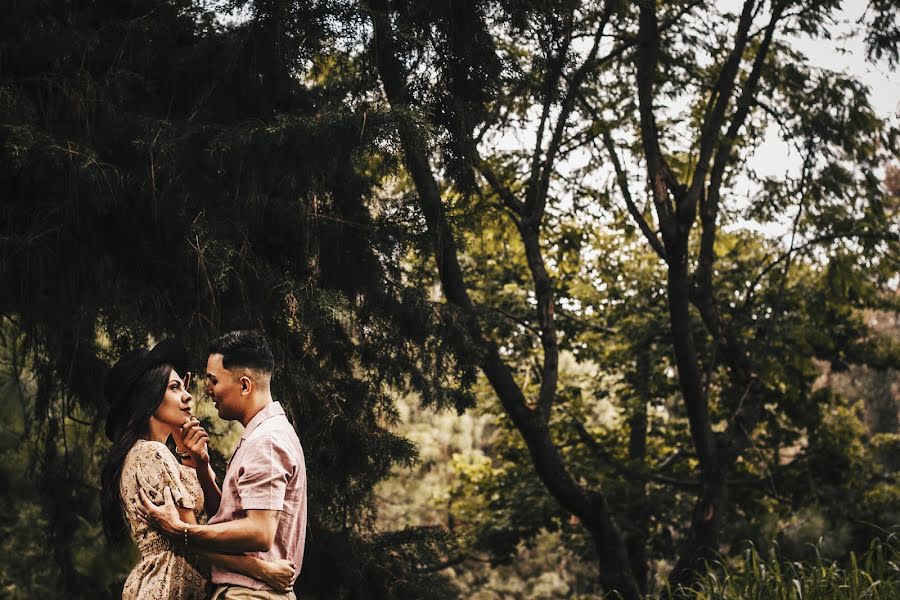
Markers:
(164, 175)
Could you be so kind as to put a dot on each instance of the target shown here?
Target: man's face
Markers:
(223, 388)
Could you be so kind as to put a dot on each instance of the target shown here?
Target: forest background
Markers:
(544, 328)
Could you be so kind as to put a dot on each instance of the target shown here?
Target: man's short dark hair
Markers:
(245, 348)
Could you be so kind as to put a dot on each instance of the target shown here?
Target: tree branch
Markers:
(653, 477)
(516, 319)
(506, 195)
(633, 41)
(537, 198)
(710, 207)
(622, 179)
(659, 175)
(551, 83)
(715, 116)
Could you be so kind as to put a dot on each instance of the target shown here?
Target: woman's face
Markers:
(176, 405)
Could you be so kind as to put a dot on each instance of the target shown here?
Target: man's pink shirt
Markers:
(266, 472)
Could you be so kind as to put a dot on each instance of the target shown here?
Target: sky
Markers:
(842, 54)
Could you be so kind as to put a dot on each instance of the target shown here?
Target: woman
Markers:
(148, 403)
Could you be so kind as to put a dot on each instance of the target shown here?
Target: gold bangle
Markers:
(182, 455)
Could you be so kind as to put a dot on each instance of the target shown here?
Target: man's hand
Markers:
(195, 438)
(165, 517)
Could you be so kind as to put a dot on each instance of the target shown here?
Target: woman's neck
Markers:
(160, 432)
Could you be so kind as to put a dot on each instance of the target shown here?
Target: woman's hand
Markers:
(195, 438)
(278, 574)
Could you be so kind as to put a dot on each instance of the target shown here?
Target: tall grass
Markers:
(875, 575)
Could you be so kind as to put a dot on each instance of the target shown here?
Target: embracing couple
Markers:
(252, 544)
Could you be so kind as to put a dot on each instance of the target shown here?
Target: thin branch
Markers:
(535, 204)
(569, 316)
(537, 198)
(515, 319)
(551, 83)
(654, 477)
(715, 116)
(777, 117)
(451, 562)
(622, 179)
(670, 460)
(710, 205)
(506, 195)
(501, 114)
(633, 41)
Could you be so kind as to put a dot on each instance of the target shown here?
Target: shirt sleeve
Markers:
(263, 479)
(157, 468)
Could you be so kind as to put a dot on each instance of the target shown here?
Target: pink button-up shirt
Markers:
(267, 472)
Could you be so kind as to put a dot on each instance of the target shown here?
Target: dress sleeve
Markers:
(156, 469)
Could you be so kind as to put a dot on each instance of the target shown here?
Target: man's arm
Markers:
(253, 533)
(277, 574)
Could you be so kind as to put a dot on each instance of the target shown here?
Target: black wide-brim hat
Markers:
(129, 368)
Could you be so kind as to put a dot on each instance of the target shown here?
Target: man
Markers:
(261, 507)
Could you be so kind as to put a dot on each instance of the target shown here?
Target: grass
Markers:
(875, 575)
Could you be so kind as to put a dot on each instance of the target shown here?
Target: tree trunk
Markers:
(702, 538)
(589, 507)
(636, 496)
(613, 558)
(702, 541)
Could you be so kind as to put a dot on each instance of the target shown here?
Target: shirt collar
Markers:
(272, 410)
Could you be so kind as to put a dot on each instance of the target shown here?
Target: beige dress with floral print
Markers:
(164, 571)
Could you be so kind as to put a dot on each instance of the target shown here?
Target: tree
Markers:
(579, 93)
(163, 174)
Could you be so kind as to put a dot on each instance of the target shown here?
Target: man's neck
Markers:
(258, 403)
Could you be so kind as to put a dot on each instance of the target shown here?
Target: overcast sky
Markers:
(844, 55)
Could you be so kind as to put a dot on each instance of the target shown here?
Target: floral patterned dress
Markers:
(164, 571)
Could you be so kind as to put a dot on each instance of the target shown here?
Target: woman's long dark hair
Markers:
(145, 397)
